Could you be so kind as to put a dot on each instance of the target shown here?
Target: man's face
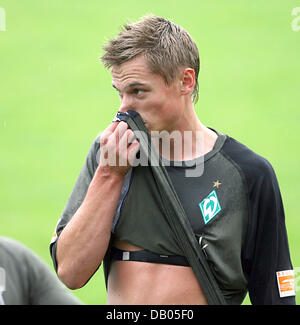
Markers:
(147, 93)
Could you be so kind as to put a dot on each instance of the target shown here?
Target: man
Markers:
(26, 280)
(113, 213)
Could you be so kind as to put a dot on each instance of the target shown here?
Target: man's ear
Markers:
(187, 81)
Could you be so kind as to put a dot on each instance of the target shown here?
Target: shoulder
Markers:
(19, 261)
(252, 165)
(92, 159)
(14, 251)
(11, 247)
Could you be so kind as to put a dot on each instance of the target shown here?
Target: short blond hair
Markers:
(166, 46)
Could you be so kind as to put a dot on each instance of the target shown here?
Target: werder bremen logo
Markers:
(210, 206)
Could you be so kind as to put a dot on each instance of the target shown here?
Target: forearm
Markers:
(83, 243)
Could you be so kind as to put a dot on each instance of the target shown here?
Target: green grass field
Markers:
(55, 97)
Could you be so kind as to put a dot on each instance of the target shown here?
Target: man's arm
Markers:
(267, 249)
(83, 242)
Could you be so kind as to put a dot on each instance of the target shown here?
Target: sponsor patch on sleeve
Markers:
(286, 283)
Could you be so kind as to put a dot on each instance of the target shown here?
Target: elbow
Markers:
(70, 279)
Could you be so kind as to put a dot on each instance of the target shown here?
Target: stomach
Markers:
(143, 283)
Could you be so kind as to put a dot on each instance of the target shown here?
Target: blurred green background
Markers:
(55, 97)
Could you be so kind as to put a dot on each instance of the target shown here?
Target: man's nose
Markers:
(126, 104)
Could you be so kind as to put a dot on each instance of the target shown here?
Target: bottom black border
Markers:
(137, 314)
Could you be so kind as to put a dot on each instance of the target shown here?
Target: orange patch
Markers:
(286, 283)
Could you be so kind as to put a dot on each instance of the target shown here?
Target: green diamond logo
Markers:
(210, 206)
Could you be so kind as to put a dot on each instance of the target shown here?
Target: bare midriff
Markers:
(143, 283)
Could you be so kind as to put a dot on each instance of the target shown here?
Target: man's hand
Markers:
(117, 152)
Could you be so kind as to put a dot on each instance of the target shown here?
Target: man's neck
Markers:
(190, 140)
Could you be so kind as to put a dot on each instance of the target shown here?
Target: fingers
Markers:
(108, 132)
(118, 147)
(124, 137)
(132, 151)
(119, 133)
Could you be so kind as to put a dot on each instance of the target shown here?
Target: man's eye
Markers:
(138, 91)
